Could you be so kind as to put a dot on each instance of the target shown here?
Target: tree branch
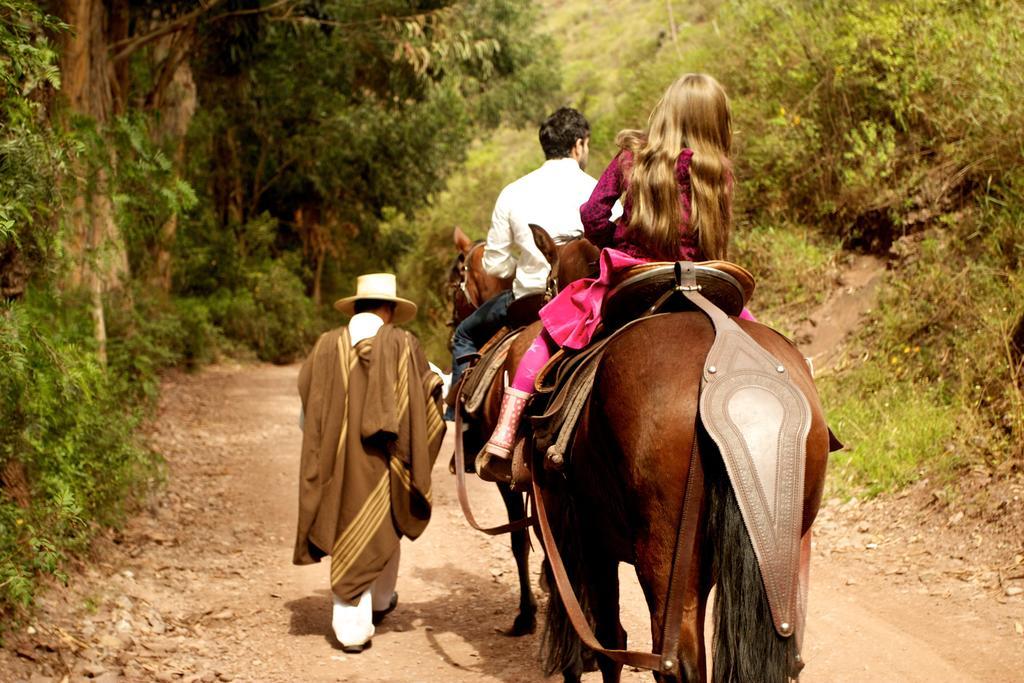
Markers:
(257, 195)
(125, 48)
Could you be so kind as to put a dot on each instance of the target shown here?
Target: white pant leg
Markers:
(384, 585)
(353, 622)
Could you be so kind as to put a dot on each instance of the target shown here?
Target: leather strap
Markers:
(642, 660)
(683, 565)
(679, 580)
(460, 483)
(766, 472)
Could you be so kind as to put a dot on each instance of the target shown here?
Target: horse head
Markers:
(569, 261)
(469, 285)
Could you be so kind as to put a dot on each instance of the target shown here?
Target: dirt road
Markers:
(200, 586)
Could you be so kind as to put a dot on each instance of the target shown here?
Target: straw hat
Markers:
(380, 287)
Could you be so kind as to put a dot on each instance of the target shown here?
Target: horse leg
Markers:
(526, 621)
(603, 579)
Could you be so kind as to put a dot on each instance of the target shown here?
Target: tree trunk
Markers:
(174, 96)
(321, 256)
(236, 193)
(101, 261)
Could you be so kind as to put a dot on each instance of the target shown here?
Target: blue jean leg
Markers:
(476, 329)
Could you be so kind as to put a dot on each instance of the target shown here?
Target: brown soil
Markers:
(821, 335)
(200, 587)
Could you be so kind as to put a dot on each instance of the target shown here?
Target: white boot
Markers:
(353, 622)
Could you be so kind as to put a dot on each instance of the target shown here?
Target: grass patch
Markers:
(794, 268)
(895, 433)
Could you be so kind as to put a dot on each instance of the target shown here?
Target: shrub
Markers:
(272, 315)
(68, 457)
(935, 368)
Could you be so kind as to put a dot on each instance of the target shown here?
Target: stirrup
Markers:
(493, 467)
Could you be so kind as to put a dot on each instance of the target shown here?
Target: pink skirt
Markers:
(573, 317)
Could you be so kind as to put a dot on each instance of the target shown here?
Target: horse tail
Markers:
(561, 648)
(746, 645)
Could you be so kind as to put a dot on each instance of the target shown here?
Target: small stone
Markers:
(124, 602)
(955, 519)
(157, 628)
(871, 546)
(31, 630)
(224, 614)
(110, 642)
(90, 653)
(94, 669)
(1013, 590)
(123, 626)
(1018, 628)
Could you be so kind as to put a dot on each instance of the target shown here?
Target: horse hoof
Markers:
(523, 625)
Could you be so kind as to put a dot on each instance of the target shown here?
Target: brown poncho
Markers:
(372, 431)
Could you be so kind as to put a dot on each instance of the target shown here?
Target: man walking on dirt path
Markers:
(372, 428)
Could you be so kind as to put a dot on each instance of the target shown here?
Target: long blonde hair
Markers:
(694, 113)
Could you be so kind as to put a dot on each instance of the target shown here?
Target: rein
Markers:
(460, 483)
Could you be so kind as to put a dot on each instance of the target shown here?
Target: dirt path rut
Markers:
(200, 587)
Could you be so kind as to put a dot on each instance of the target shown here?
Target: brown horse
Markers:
(469, 286)
(621, 499)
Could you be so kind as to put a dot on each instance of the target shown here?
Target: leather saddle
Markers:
(478, 378)
(638, 289)
(564, 384)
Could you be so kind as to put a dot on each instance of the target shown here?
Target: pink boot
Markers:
(495, 462)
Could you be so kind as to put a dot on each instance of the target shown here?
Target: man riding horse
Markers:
(549, 196)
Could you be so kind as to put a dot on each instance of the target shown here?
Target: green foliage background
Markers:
(872, 125)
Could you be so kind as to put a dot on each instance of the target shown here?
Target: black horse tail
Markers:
(746, 646)
(562, 651)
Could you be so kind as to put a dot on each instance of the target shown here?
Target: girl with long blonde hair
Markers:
(675, 182)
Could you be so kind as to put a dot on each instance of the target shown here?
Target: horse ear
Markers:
(545, 244)
(462, 241)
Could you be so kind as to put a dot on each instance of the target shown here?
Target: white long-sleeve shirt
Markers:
(549, 197)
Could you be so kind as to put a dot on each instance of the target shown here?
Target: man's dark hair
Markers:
(364, 305)
(561, 130)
